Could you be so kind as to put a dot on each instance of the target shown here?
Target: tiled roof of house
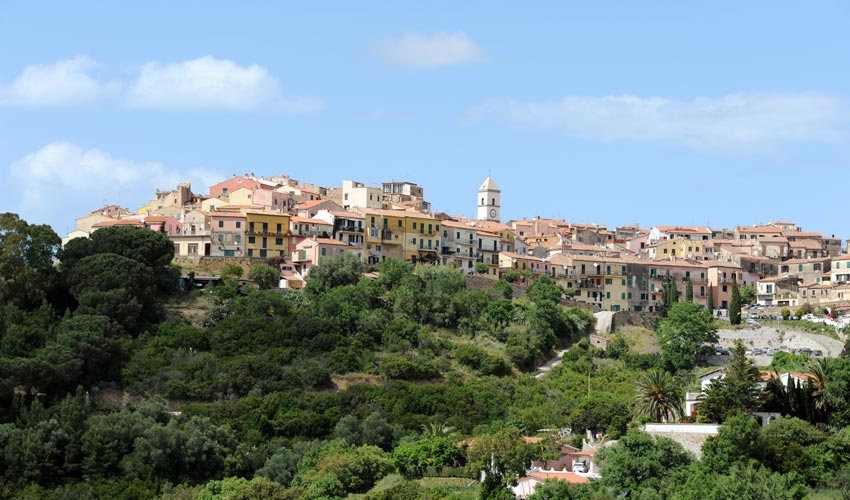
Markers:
(684, 229)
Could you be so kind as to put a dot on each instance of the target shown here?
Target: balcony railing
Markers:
(351, 229)
(386, 234)
(260, 232)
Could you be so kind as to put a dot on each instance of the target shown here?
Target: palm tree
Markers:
(819, 369)
(657, 396)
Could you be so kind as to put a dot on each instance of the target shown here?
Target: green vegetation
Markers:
(404, 386)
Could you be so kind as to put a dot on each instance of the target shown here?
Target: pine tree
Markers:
(735, 306)
(709, 304)
(689, 291)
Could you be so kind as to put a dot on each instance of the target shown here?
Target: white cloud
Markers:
(64, 83)
(62, 181)
(735, 120)
(211, 83)
(416, 51)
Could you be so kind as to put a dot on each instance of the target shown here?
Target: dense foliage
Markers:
(108, 391)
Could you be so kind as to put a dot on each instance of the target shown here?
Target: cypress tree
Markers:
(709, 304)
(735, 306)
(689, 291)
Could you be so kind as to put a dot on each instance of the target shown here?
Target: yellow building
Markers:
(267, 234)
(400, 234)
(421, 238)
(211, 204)
(384, 234)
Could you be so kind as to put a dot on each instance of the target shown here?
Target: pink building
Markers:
(310, 251)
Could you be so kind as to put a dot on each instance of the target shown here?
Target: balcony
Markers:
(386, 234)
(447, 251)
(350, 229)
(276, 234)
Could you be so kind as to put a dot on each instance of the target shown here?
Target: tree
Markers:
(231, 271)
(339, 270)
(658, 396)
(735, 304)
(709, 303)
(27, 274)
(689, 291)
(411, 458)
(503, 456)
(640, 462)
(543, 288)
(503, 289)
(265, 276)
(737, 443)
(686, 331)
(737, 392)
(748, 293)
(481, 268)
(150, 248)
(118, 287)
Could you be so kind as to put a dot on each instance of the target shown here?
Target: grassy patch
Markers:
(640, 340)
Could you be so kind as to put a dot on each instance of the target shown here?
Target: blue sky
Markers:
(606, 112)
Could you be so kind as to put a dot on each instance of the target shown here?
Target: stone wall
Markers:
(630, 318)
(213, 265)
(690, 436)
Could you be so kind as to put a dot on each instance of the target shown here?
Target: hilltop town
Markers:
(253, 219)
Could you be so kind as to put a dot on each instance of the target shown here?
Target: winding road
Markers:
(603, 325)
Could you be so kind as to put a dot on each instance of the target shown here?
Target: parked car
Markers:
(721, 351)
(818, 353)
(580, 467)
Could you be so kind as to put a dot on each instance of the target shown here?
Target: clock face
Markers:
(492, 212)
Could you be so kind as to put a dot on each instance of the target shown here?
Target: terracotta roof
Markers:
(758, 229)
(806, 244)
(330, 241)
(804, 261)
(801, 234)
(313, 203)
(521, 257)
(684, 229)
(842, 257)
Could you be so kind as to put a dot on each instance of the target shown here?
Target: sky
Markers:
(657, 113)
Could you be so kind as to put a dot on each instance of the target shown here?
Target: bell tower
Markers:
(489, 200)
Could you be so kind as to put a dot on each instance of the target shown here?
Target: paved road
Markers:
(552, 363)
(781, 338)
(603, 325)
(603, 321)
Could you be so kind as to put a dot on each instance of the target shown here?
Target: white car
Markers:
(580, 467)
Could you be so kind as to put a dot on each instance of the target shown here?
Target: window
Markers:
(414, 241)
(221, 223)
(250, 252)
(278, 241)
(724, 288)
(623, 296)
(607, 295)
(800, 268)
(324, 251)
(414, 225)
(623, 282)
(609, 281)
(400, 223)
(193, 249)
(251, 240)
(238, 224)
